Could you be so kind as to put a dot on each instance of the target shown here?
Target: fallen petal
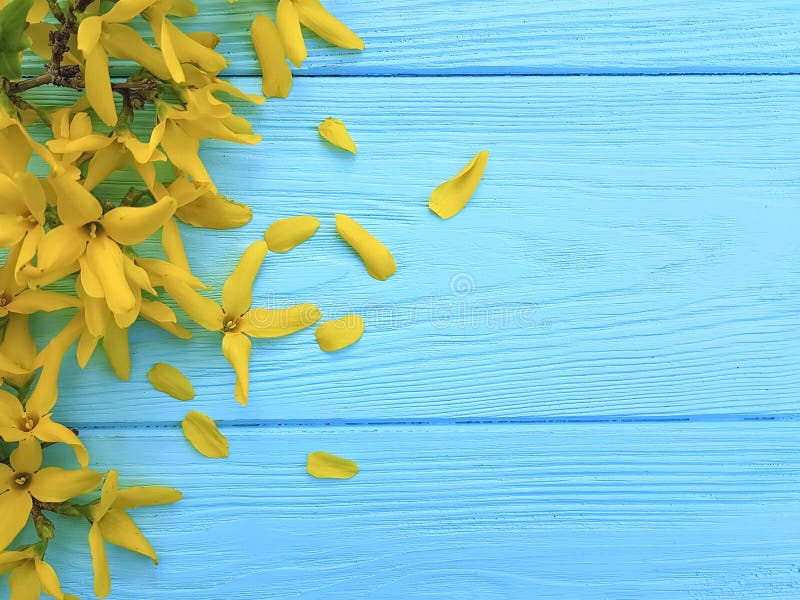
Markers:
(202, 433)
(166, 378)
(450, 197)
(377, 258)
(329, 466)
(285, 234)
(339, 333)
(336, 133)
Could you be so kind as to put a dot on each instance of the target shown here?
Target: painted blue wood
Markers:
(669, 511)
(630, 253)
(413, 37)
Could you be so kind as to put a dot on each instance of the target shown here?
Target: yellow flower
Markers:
(24, 480)
(111, 523)
(98, 323)
(22, 216)
(93, 238)
(29, 574)
(236, 320)
(74, 135)
(15, 298)
(19, 423)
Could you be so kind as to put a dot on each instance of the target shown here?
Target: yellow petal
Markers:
(24, 583)
(377, 258)
(237, 293)
(205, 38)
(76, 205)
(123, 42)
(104, 162)
(136, 496)
(168, 51)
(60, 247)
(102, 578)
(329, 466)
(89, 33)
(277, 77)
(45, 394)
(314, 16)
(182, 150)
(131, 225)
(285, 234)
(450, 197)
(189, 51)
(108, 495)
(157, 270)
(119, 529)
(278, 322)
(86, 347)
(203, 311)
(155, 313)
(19, 348)
(98, 86)
(341, 333)
(166, 378)
(115, 344)
(54, 484)
(32, 301)
(15, 507)
(202, 433)
(288, 22)
(172, 243)
(336, 133)
(126, 10)
(236, 349)
(48, 577)
(27, 457)
(48, 430)
(106, 260)
(215, 211)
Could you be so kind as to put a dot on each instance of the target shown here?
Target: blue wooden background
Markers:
(584, 386)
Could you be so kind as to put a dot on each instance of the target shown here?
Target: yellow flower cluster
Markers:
(67, 244)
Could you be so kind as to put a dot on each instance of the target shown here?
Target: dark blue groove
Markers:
(439, 421)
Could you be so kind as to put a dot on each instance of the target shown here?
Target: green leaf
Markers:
(12, 37)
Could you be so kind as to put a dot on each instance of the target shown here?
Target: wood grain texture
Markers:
(412, 37)
(560, 511)
(631, 252)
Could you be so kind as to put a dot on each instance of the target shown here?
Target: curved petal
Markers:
(106, 260)
(54, 484)
(172, 243)
(12, 230)
(203, 434)
(278, 322)
(451, 196)
(126, 10)
(202, 310)
(130, 225)
(11, 411)
(15, 507)
(98, 86)
(314, 16)
(123, 42)
(61, 246)
(47, 576)
(236, 349)
(136, 496)
(48, 430)
(277, 77)
(215, 211)
(18, 345)
(115, 344)
(89, 33)
(102, 578)
(237, 293)
(340, 333)
(86, 347)
(288, 22)
(285, 234)
(27, 458)
(45, 394)
(335, 132)
(119, 529)
(24, 583)
(324, 465)
(108, 494)
(377, 258)
(32, 301)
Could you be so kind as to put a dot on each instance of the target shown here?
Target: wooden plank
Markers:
(632, 252)
(533, 36)
(614, 511)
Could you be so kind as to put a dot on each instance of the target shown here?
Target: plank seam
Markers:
(313, 423)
